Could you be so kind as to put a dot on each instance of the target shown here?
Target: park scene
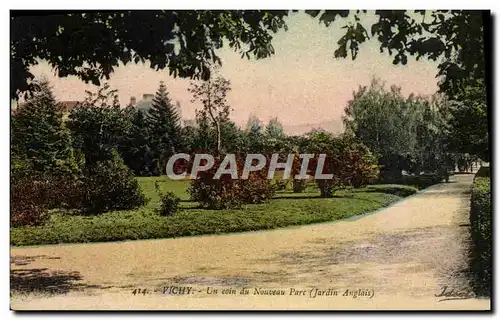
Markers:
(357, 142)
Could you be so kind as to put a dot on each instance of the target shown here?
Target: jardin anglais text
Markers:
(253, 162)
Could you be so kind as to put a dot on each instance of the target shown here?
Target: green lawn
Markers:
(286, 209)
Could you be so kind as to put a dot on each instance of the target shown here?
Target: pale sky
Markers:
(301, 84)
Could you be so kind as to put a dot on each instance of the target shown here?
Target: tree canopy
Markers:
(90, 45)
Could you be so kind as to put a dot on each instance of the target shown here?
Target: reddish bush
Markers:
(226, 192)
(351, 163)
(28, 198)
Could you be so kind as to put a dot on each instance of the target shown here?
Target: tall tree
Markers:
(185, 42)
(404, 133)
(254, 125)
(165, 128)
(212, 94)
(135, 145)
(274, 128)
(469, 124)
(38, 134)
(97, 125)
(383, 121)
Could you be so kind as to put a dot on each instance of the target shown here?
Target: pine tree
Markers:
(135, 146)
(164, 123)
(39, 136)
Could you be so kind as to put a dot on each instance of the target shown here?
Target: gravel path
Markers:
(400, 257)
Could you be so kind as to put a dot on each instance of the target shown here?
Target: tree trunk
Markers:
(219, 144)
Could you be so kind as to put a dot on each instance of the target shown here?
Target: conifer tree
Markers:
(135, 146)
(38, 133)
(165, 129)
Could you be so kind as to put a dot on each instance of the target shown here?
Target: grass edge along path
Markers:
(286, 209)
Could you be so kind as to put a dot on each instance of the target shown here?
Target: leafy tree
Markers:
(212, 94)
(89, 45)
(454, 36)
(348, 160)
(254, 125)
(469, 122)
(189, 135)
(235, 138)
(165, 129)
(385, 122)
(203, 139)
(185, 41)
(97, 125)
(274, 128)
(432, 148)
(39, 136)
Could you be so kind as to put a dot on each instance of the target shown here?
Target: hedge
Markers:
(480, 219)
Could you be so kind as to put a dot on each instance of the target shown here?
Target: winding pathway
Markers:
(403, 255)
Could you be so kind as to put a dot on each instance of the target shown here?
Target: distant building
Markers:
(64, 106)
(145, 103)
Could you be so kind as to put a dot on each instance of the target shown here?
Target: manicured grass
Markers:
(286, 209)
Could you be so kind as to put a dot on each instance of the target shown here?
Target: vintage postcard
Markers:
(250, 160)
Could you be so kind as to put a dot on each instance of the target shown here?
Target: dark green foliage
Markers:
(165, 130)
(404, 133)
(483, 172)
(481, 233)
(38, 135)
(455, 37)
(112, 37)
(299, 186)
(96, 126)
(169, 202)
(90, 45)
(418, 181)
(280, 185)
(135, 145)
(469, 124)
(398, 190)
(274, 129)
(110, 185)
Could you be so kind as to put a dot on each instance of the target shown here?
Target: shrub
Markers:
(279, 184)
(350, 162)
(481, 234)
(169, 202)
(419, 181)
(110, 185)
(225, 193)
(256, 189)
(398, 190)
(28, 196)
(299, 185)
